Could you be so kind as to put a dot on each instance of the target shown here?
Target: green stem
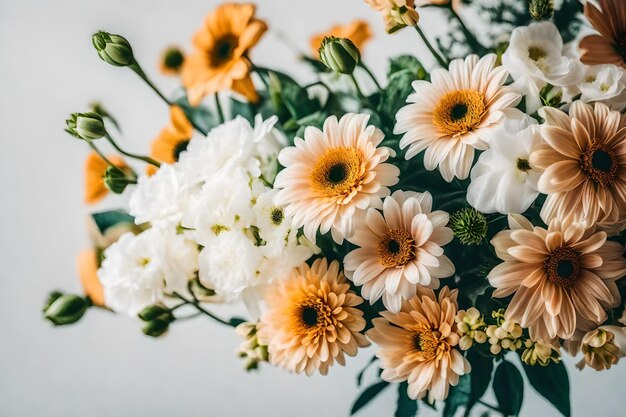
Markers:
(371, 75)
(356, 86)
(442, 62)
(146, 159)
(100, 154)
(471, 39)
(198, 307)
(140, 72)
(491, 407)
(259, 70)
(218, 106)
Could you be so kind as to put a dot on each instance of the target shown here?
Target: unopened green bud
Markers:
(339, 54)
(113, 49)
(156, 328)
(86, 126)
(551, 96)
(469, 226)
(541, 9)
(117, 180)
(156, 312)
(52, 297)
(66, 309)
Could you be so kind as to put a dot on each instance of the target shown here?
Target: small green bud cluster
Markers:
(541, 9)
(468, 225)
(339, 54)
(551, 96)
(61, 309)
(538, 353)
(505, 334)
(158, 318)
(471, 327)
(251, 350)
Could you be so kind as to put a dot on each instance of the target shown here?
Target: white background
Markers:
(104, 366)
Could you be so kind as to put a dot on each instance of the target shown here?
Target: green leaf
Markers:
(407, 62)
(405, 407)
(508, 385)
(552, 383)
(201, 117)
(107, 219)
(236, 321)
(359, 377)
(394, 96)
(482, 367)
(243, 109)
(458, 396)
(368, 395)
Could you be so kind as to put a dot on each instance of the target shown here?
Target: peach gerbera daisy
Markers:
(358, 31)
(418, 344)
(220, 61)
(399, 249)
(584, 158)
(173, 139)
(332, 173)
(87, 263)
(562, 278)
(455, 113)
(95, 168)
(312, 320)
(609, 46)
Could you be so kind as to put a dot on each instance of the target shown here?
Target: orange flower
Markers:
(609, 47)
(220, 59)
(95, 167)
(87, 262)
(173, 139)
(359, 32)
(172, 60)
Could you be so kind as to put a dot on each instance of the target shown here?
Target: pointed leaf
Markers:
(508, 385)
(368, 395)
(406, 407)
(552, 383)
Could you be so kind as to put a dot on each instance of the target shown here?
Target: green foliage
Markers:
(552, 383)
(359, 377)
(508, 385)
(200, 116)
(457, 397)
(405, 406)
(482, 368)
(368, 395)
(107, 219)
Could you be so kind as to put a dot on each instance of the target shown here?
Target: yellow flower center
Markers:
(427, 343)
(313, 316)
(223, 50)
(338, 172)
(458, 112)
(562, 267)
(396, 248)
(536, 53)
(600, 164)
(277, 215)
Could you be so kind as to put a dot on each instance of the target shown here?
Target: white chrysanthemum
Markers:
(159, 199)
(274, 227)
(138, 269)
(605, 83)
(333, 173)
(535, 58)
(399, 249)
(503, 180)
(455, 114)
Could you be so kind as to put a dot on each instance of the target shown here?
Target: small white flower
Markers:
(503, 180)
(275, 227)
(604, 83)
(138, 269)
(535, 58)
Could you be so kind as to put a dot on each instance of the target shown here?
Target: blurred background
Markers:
(105, 366)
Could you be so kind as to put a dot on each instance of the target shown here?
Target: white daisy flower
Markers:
(503, 180)
(605, 83)
(455, 113)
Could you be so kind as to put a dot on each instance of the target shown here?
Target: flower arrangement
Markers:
(456, 217)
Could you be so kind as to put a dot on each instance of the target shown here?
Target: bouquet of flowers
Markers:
(467, 219)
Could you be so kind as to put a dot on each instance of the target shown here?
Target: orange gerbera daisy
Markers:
(95, 168)
(358, 31)
(87, 263)
(562, 278)
(417, 344)
(173, 139)
(220, 59)
(609, 47)
(584, 158)
(312, 320)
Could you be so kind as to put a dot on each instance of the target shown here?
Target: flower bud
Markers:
(468, 225)
(66, 309)
(156, 328)
(541, 9)
(86, 126)
(339, 54)
(117, 180)
(51, 299)
(551, 96)
(404, 16)
(113, 49)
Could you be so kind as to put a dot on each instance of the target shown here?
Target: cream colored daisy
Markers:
(332, 173)
(561, 279)
(418, 344)
(400, 249)
(312, 320)
(455, 113)
(584, 161)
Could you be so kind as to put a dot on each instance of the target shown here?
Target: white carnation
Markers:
(503, 180)
(605, 83)
(138, 270)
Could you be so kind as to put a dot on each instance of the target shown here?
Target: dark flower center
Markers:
(223, 50)
(523, 164)
(562, 267)
(309, 316)
(173, 58)
(180, 147)
(337, 174)
(394, 246)
(458, 112)
(277, 216)
(599, 163)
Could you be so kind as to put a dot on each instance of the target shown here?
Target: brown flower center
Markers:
(562, 267)
(523, 164)
(426, 342)
(223, 50)
(599, 163)
(338, 172)
(277, 216)
(313, 314)
(179, 147)
(621, 47)
(458, 112)
(396, 248)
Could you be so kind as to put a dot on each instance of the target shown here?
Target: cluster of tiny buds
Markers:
(471, 327)
(538, 353)
(250, 349)
(505, 334)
